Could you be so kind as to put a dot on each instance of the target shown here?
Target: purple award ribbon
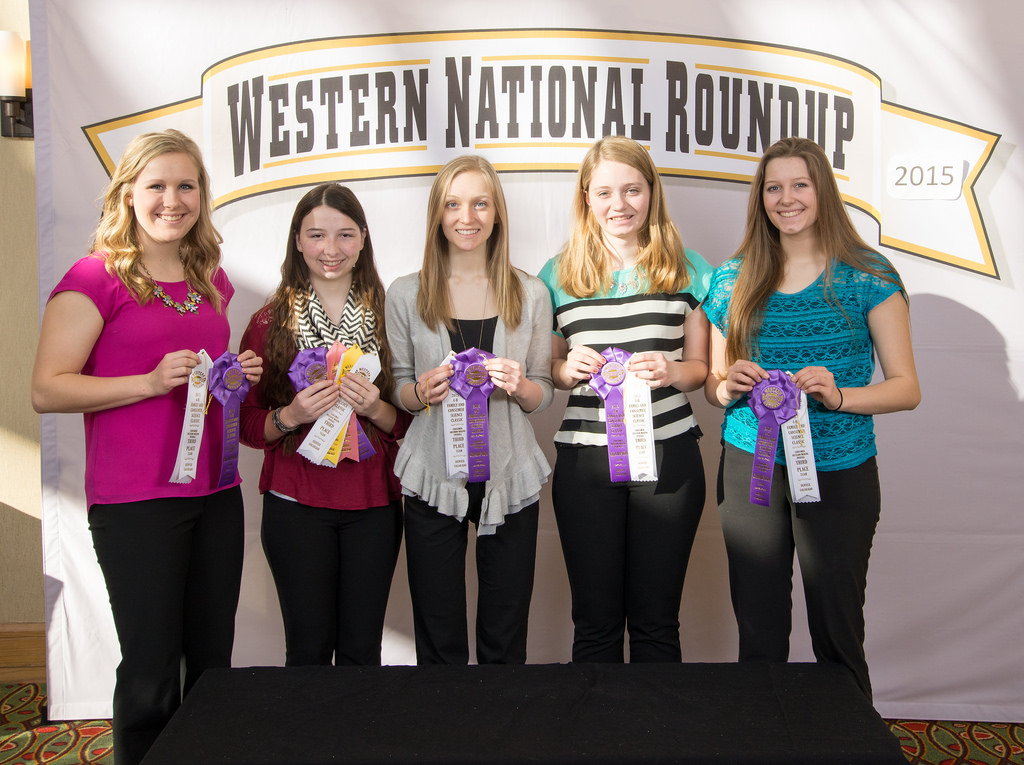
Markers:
(229, 386)
(309, 366)
(607, 383)
(774, 401)
(473, 383)
(366, 449)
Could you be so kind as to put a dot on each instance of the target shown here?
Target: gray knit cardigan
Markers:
(518, 466)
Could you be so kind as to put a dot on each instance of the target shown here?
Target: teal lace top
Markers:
(803, 329)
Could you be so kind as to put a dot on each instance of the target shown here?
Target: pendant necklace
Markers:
(628, 283)
(458, 323)
(192, 298)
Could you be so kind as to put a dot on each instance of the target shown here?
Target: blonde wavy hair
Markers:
(433, 302)
(585, 267)
(117, 234)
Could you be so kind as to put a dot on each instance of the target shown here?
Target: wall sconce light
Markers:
(15, 87)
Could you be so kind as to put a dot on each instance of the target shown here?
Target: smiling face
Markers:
(468, 218)
(166, 199)
(619, 197)
(789, 197)
(330, 243)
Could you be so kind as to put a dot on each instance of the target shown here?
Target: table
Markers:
(559, 713)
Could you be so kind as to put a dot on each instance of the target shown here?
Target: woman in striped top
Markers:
(625, 280)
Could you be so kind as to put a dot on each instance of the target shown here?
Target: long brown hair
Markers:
(117, 234)
(281, 346)
(584, 268)
(433, 302)
(763, 261)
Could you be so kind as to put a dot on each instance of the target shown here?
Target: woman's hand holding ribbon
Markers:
(741, 378)
(309, 403)
(361, 394)
(505, 374)
(364, 398)
(432, 386)
(820, 384)
(653, 368)
(583, 361)
(252, 366)
(173, 370)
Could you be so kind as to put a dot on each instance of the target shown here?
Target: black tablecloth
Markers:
(560, 713)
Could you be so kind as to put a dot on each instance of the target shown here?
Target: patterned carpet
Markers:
(959, 743)
(27, 739)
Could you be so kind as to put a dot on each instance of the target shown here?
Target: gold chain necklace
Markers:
(192, 298)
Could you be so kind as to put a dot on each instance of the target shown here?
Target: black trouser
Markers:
(626, 547)
(332, 570)
(435, 547)
(173, 568)
(833, 541)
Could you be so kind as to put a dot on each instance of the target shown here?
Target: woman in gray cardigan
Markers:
(466, 296)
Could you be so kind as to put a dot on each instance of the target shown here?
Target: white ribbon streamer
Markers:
(796, 439)
(332, 423)
(195, 418)
(456, 442)
(456, 436)
(636, 400)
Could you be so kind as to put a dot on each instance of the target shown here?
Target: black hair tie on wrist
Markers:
(840, 400)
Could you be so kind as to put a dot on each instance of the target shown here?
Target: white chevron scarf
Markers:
(358, 324)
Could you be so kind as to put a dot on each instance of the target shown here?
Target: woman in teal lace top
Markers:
(807, 296)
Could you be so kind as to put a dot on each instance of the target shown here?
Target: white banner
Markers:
(378, 96)
(357, 108)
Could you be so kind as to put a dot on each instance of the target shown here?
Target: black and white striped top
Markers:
(635, 322)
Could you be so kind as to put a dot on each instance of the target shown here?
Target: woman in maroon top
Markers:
(331, 534)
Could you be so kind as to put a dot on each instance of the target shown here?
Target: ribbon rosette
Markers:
(309, 366)
(229, 386)
(472, 382)
(609, 382)
(314, 364)
(773, 401)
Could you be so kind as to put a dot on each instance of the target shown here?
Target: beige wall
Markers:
(21, 564)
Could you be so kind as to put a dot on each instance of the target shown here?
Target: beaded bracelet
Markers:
(275, 417)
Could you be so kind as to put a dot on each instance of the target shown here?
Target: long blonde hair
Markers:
(433, 302)
(584, 269)
(117, 235)
(763, 262)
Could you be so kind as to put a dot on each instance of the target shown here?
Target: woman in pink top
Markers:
(120, 337)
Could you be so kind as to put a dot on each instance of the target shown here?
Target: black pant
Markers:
(435, 547)
(626, 547)
(332, 570)
(173, 569)
(833, 541)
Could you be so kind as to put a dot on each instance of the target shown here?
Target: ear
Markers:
(298, 244)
